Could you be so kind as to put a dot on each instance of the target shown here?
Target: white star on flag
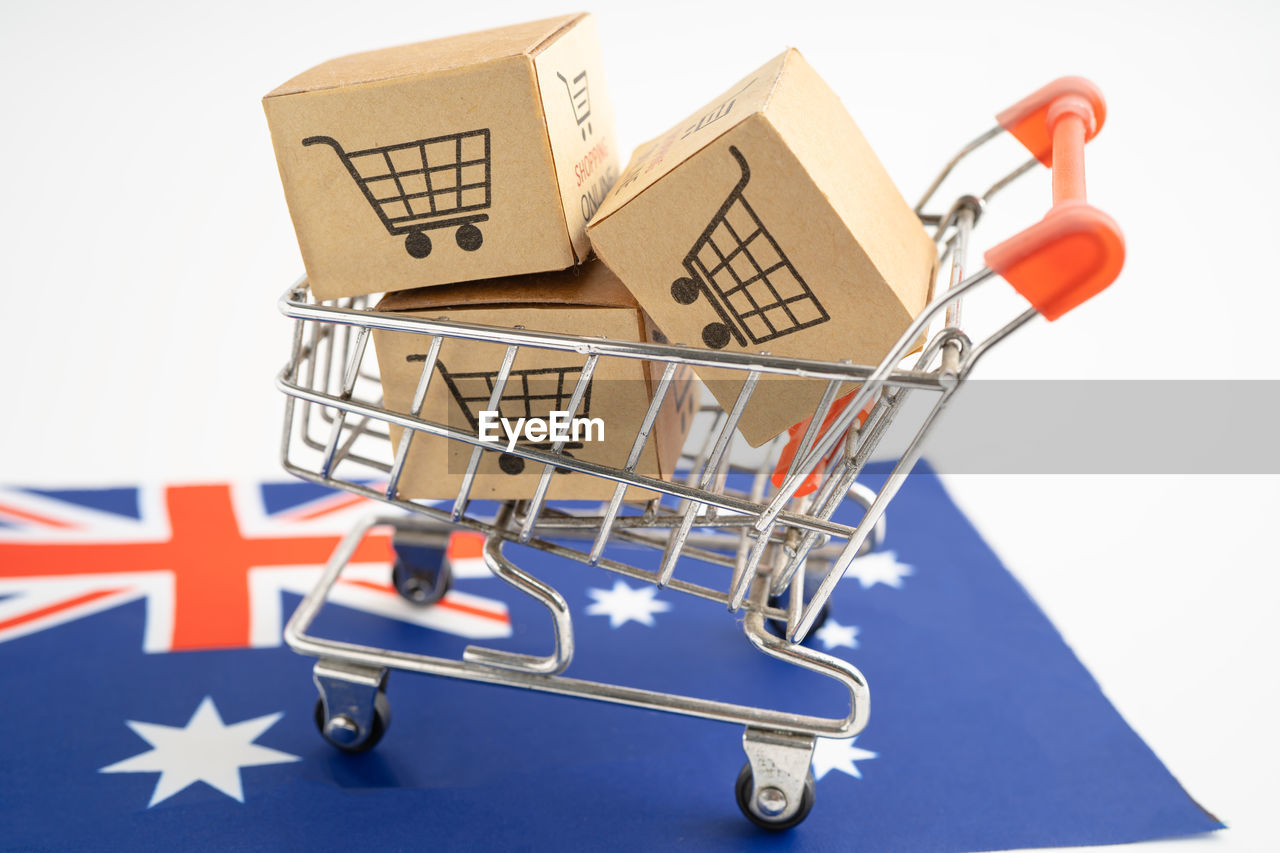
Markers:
(879, 567)
(622, 604)
(838, 754)
(833, 634)
(205, 750)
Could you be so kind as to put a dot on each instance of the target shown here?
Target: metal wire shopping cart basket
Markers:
(418, 186)
(471, 391)
(770, 542)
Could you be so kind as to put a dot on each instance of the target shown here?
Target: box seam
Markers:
(578, 17)
(777, 81)
(551, 154)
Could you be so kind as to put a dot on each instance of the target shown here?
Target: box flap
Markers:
(591, 284)
(428, 56)
(654, 159)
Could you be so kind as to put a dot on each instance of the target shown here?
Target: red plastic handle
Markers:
(797, 432)
(1076, 251)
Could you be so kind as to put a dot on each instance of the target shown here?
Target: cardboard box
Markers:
(588, 301)
(764, 222)
(464, 158)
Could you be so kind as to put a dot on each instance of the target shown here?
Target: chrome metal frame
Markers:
(767, 541)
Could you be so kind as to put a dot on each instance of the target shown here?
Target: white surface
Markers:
(146, 240)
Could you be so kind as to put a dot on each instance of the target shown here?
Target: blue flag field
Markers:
(150, 702)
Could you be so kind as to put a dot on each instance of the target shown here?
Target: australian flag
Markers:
(150, 703)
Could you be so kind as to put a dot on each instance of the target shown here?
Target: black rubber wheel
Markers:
(469, 237)
(510, 464)
(381, 721)
(779, 627)
(684, 291)
(715, 335)
(560, 470)
(416, 585)
(418, 244)
(743, 791)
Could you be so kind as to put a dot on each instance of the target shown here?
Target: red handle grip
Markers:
(1076, 251)
(796, 435)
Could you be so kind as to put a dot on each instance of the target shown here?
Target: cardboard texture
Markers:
(588, 301)
(453, 160)
(765, 222)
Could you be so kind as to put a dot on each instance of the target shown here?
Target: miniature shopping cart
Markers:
(777, 550)
(580, 97)
(770, 301)
(419, 186)
(526, 394)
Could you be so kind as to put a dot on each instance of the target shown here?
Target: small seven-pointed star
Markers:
(204, 750)
(622, 604)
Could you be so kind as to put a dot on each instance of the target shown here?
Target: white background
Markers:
(145, 240)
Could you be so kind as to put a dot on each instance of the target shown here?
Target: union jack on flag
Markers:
(211, 561)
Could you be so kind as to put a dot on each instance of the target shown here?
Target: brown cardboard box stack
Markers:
(463, 177)
(457, 176)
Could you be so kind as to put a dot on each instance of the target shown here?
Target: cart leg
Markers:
(469, 237)
(418, 244)
(421, 571)
(775, 789)
(352, 713)
(561, 620)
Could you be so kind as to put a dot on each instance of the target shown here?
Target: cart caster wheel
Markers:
(684, 291)
(469, 237)
(715, 335)
(417, 586)
(565, 470)
(510, 464)
(743, 791)
(346, 736)
(418, 244)
(779, 626)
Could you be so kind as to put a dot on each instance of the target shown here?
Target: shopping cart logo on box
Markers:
(580, 97)
(528, 394)
(717, 112)
(748, 279)
(419, 186)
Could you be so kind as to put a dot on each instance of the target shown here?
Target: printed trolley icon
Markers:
(419, 186)
(748, 280)
(581, 100)
(532, 393)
